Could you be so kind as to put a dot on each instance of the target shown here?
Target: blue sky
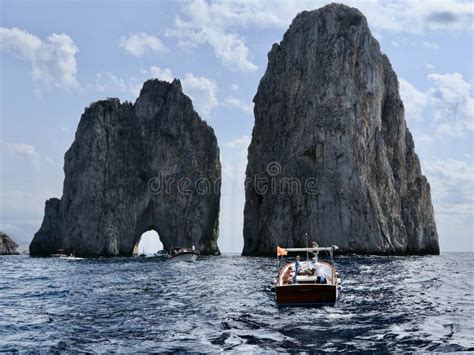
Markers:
(58, 56)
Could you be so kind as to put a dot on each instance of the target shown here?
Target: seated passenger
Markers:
(286, 276)
(320, 275)
(321, 280)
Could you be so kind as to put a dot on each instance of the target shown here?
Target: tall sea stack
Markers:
(152, 165)
(328, 112)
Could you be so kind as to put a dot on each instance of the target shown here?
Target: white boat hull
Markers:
(186, 257)
(70, 258)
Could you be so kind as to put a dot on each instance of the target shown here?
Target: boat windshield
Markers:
(310, 256)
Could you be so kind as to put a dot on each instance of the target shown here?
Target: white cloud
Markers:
(452, 191)
(377, 36)
(139, 44)
(413, 100)
(208, 23)
(112, 85)
(202, 91)
(22, 211)
(162, 74)
(107, 81)
(452, 103)
(235, 87)
(452, 186)
(423, 139)
(238, 143)
(430, 45)
(53, 61)
(8, 226)
(217, 23)
(417, 16)
(234, 161)
(229, 48)
(233, 102)
(26, 150)
(449, 99)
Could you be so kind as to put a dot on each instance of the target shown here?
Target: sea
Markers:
(226, 303)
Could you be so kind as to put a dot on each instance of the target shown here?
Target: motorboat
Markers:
(61, 254)
(161, 253)
(183, 254)
(70, 257)
(309, 282)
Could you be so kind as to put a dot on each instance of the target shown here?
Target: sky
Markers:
(56, 57)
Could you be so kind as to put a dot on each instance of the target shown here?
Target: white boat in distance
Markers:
(183, 254)
(65, 257)
(61, 254)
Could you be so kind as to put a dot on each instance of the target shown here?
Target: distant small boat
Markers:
(183, 254)
(143, 254)
(59, 253)
(308, 282)
(161, 254)
(62, 255)
(65, 257)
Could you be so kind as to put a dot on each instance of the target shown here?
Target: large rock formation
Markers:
(133, 168)
(328, 108)
(7, 245)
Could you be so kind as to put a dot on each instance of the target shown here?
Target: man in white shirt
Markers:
(319, 273)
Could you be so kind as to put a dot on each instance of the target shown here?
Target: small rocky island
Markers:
(7, 245)
(328, 109)
(152, 165)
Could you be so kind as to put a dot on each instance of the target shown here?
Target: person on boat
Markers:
(287, 276)
(297, 268)
(319, 272)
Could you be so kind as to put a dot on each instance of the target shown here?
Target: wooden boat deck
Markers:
(306, 291)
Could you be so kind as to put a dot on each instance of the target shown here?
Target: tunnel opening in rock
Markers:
(148, 244)
(122, 173)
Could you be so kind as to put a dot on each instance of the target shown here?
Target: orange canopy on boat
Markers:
(281, 251)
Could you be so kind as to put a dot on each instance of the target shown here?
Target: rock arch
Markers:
(150, 236)
(124, 174)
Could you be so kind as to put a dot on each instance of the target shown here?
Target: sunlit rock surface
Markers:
(7, 245)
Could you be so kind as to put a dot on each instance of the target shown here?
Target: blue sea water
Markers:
(395, 304)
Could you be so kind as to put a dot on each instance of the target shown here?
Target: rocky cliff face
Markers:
(7, 245)
(328, 111)
(132, 168)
